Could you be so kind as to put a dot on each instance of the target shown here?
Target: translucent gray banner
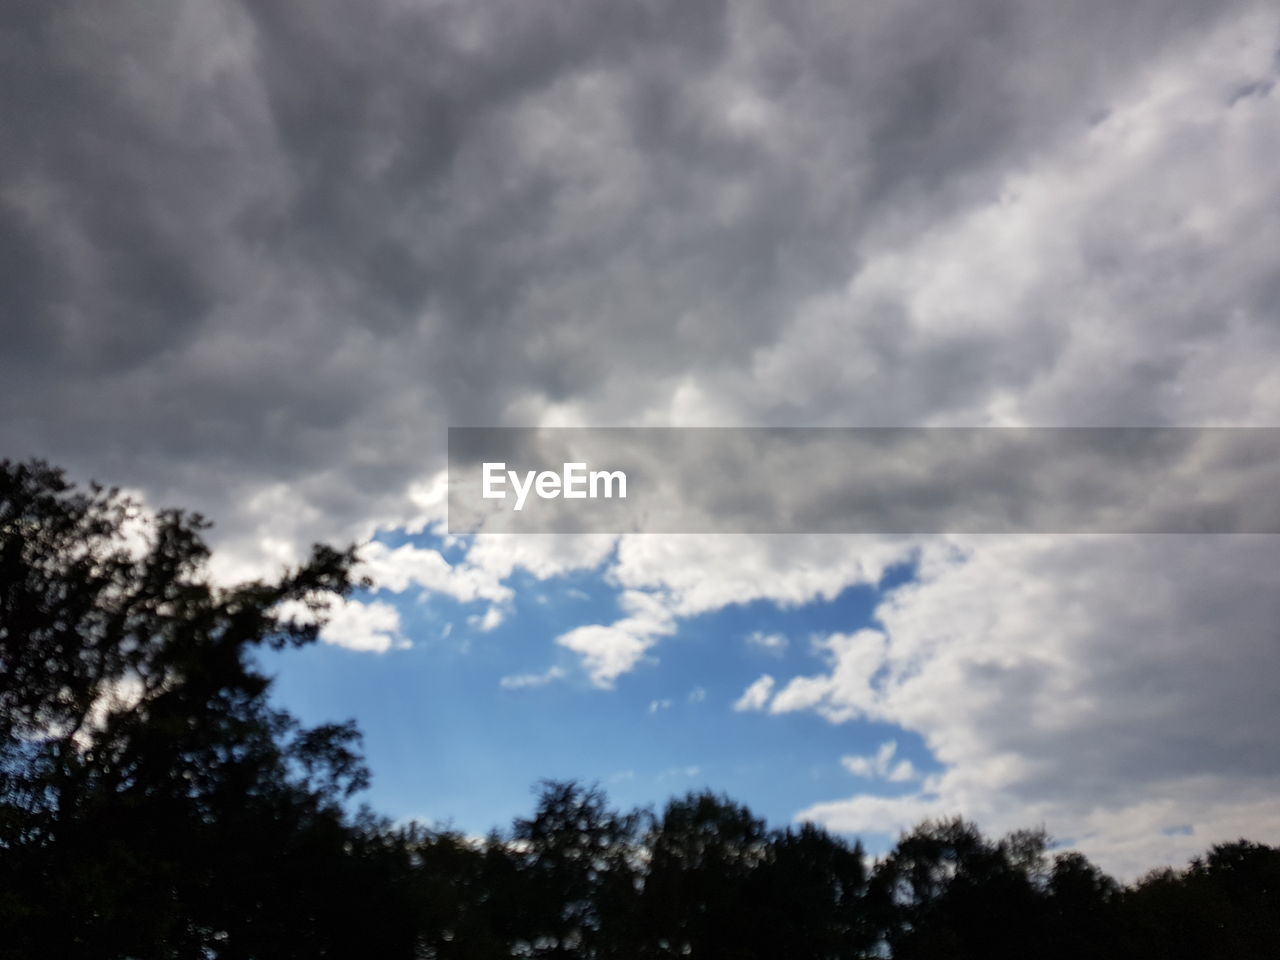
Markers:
(864, 480)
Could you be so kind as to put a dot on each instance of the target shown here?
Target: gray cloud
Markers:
(250, 245)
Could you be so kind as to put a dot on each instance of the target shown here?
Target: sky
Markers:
(255, 259)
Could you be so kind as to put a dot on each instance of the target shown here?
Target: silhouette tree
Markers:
(578, 874)
(465, 895)
(152, 802)
(1225, 904)
(702, 855)
(807, 898)
(1082, 911)
(945, 890)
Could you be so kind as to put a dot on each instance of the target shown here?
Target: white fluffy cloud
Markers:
(695, 574)
(881, 765)
(670, 577)
(610, 651)
(1116, 689)
(756, 695)
(373, 626)
(405, 566)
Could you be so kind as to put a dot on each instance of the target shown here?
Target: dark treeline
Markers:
(154, 804)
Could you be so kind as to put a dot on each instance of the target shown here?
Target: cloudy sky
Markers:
(256, 258)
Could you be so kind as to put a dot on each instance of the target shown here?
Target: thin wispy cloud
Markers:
(771, 642)
(881, 765)
(520, 681)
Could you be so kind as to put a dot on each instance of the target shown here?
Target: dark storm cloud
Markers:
(262, 244)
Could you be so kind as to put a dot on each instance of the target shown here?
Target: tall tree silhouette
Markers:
(703, 852)
(152, 802)
(945, 890)
(808, 898)
(1082, 911)
(578, 873)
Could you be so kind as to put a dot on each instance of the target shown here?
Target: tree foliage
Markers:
(152, 801)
